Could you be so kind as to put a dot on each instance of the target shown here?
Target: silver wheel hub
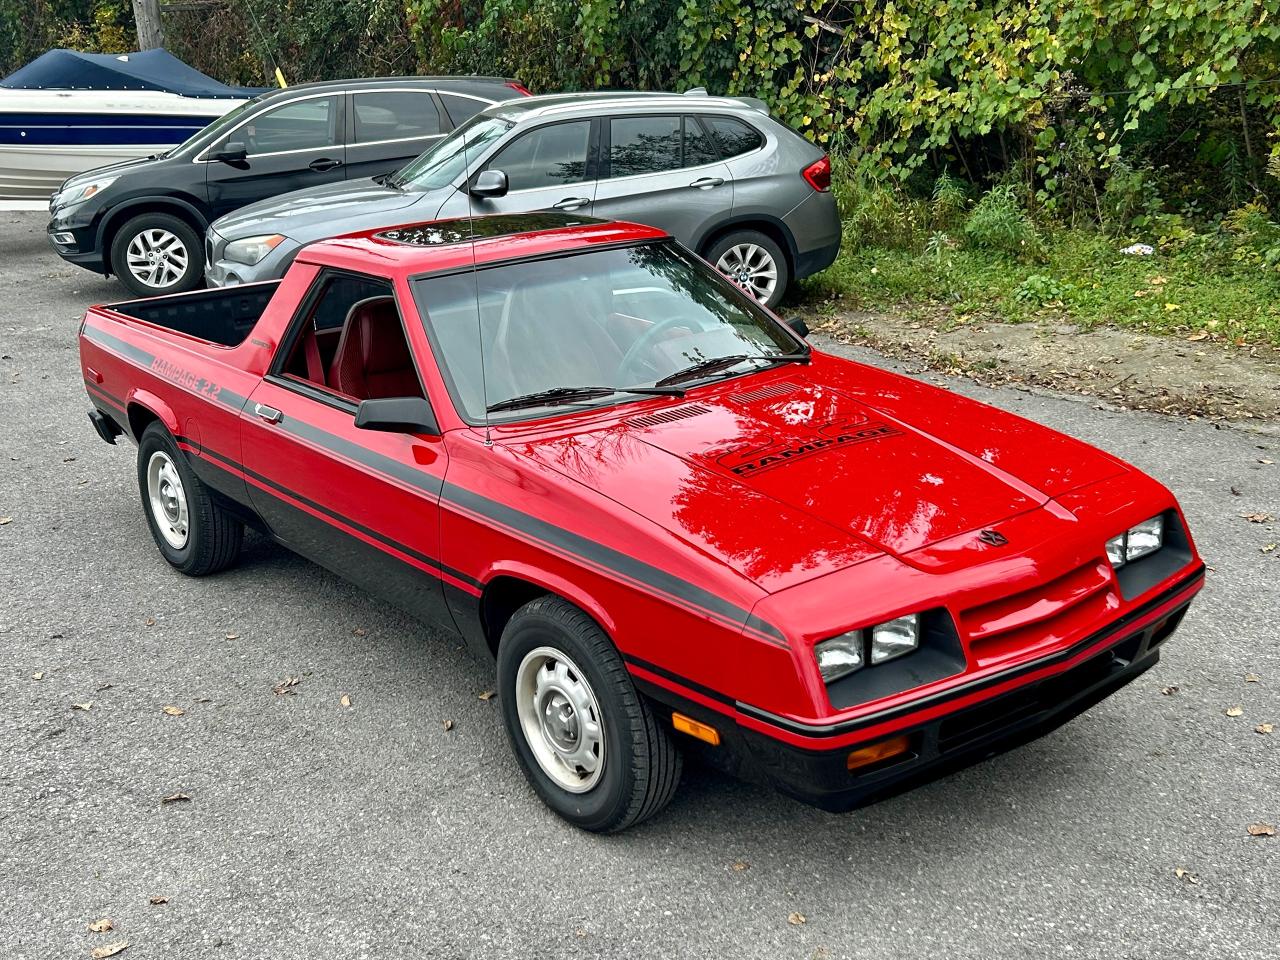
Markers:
(156, 257)
(560, 719)
(752, 267)
(167, 499)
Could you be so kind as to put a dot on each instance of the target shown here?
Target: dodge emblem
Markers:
(993, 537)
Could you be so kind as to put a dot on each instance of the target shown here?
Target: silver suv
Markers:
(746, 192)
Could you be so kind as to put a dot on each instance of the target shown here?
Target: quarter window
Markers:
(734, 136)
(303, 125)
(643, 145)
(397, 115)
(698, 148)
(546, 157)
(461, 109)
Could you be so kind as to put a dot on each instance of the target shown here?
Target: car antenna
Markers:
(475, 279)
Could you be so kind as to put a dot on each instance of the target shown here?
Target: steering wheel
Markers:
(646, 339)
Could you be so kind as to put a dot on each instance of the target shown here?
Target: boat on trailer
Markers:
(67, 112)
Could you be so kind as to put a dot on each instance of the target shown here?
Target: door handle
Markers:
(269, 414)
(570, 203)
(324, 163)
(706, 183)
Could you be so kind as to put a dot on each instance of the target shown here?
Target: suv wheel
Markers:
(753, 262)
(157, 253)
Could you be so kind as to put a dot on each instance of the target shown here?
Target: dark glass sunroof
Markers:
(461, 229)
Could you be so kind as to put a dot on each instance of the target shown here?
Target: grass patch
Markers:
(1076, 275)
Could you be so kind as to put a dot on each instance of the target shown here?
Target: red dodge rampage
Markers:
(670, 521)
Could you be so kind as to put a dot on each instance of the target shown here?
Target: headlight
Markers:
(82, 192)
(250, 250)
(893, 639)
(1138, 541)
(840, 655)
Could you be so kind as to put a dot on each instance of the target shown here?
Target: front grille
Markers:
(1041, 617)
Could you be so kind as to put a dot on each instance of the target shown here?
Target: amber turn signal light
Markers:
(695, 729)
(865, 756)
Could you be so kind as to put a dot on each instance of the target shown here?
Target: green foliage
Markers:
(999, 224)
(1039, 290)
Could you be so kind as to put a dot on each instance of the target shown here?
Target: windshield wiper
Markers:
(557, 395)
(388, 180)
(716, 364)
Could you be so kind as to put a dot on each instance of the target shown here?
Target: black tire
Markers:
(748, 238)
(641, 766)
(213, 536)
(192, 274)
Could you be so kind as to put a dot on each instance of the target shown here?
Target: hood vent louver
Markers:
(667, 416)
(770, 392)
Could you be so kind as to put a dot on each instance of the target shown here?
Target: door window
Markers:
(302, 125)
(395, 115)
(643, 145)
(546, 157)
(734, 136)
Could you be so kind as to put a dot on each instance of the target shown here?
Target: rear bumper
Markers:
(950, 740)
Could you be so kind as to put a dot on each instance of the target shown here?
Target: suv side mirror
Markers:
(489, 184)
(397, 415)
(233, 151)
(798, 327)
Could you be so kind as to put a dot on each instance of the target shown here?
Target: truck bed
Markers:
(223, 316)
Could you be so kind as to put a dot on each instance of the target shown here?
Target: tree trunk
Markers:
(146, 16)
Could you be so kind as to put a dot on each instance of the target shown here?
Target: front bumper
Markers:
(1100, 666)
(73, 234)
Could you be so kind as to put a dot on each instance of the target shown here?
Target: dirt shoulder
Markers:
(1181, 377)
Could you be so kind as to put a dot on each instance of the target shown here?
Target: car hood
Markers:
(118, 169)
(796, 473)
(324, 211)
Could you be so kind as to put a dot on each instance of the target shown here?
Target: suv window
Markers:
(302, 125)
(698, 148)
(394, 115)
(550, 155)
(734, 136)
(643, 145)
(460, 108)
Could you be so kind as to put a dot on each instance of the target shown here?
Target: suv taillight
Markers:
(520, 88)
(818, 174)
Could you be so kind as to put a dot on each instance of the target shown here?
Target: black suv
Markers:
(143, 220)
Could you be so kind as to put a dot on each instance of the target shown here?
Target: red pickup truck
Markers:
(671, 522)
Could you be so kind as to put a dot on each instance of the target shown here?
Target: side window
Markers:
(302, 125)
(643, 145)
(698, 148)
(550, 155)
(734, 136)
(396, 115)
(460, 108)
(351, 342)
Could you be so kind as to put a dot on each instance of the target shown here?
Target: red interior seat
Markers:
(373, 359)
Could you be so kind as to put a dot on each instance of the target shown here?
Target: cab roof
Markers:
(434, 245)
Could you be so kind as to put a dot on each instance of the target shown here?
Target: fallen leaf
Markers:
(286, 685)
(149, 622)
(158, 901)
(485, 695)
(204, 699)
(1235, 711)
(1182, 873)
(1270, 547)
(448, 724)
(88, 705)
(1252, 678)
(1265, 460)
(39, 675)
(173, 711)
(233, 636)
(796, 919)
(5, 520)
(1261, 830)
(110, 950)
(358, 632)
(175, 798)
(1196, 337)
(102, 686)
(1168, 691)
(102, 926)
(1235, 492)
(1265, 728)
(345, 700)
(741, 865)
(1257, 517)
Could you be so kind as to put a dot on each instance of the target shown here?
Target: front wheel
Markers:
(754, 262)
(157, 253)
(588, 743)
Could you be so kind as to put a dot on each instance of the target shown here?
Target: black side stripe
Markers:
(145, 359)
(685, 682)
(110, 398)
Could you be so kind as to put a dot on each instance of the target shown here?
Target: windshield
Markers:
(214, 131)
(640, 316)
(447, 160)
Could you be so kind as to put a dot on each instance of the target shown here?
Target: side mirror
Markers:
(232, 152)
(397, 415)
(798, 327)
(489, 184)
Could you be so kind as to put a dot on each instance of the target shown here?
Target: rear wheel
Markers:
(754, 262)
(194, 533)
(157, 253)
(588, 743)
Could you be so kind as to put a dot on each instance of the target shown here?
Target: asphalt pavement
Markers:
(317, 830)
